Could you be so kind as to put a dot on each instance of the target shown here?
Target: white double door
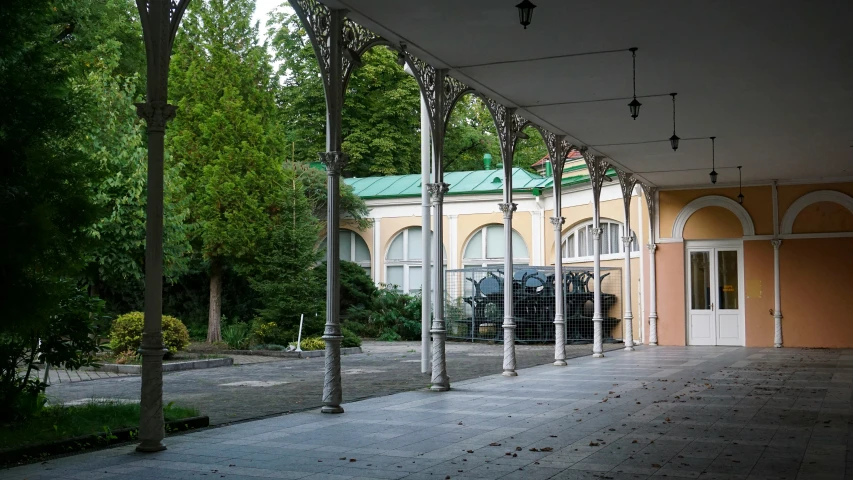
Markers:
(715, 294)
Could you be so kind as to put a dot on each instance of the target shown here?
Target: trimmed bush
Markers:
(126, 333)
(312, 343)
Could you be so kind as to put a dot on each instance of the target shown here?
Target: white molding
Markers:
(454, 241)
(670, 240)
(758, 237)
(805, 236)
(712, 201)
(763, 183)
(811, 198)
(775, 196)
(378, 258)
(713, 245)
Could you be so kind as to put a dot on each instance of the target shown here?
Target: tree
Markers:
(225, 136)
(44, 203)
(115, 140)
(282, 276)
(381, 112)
(314, 187)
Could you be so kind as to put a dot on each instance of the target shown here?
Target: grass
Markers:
(59, 422)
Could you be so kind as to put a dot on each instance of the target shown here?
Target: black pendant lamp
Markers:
(713, 161)
(673, 140)
(525, 12)
(634, 105)
(740, 186)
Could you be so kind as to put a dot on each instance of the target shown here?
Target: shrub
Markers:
(236, 336)
(126, 333)
(350, 339)
(313, 343)
(266, 333)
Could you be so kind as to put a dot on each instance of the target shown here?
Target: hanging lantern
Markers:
(673, 140)
(740, 185)
(713, 173)
(635, 104)
(525, 12)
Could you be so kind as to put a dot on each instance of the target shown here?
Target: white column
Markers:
(377, 251)
(629, 317)
(640, 289)
(777, 290)
(653, 299)
(559, 295)
(426, 296)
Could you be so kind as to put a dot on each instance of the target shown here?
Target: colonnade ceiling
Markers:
(772, 81)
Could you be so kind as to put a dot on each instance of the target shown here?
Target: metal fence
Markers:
(474, 303)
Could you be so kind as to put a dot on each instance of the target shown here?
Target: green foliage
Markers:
(69, 340)
(266, 333)
(314, 184)
(350, 339)
(237, 335)
(313, 343)
(126, 333)
(381, 118)
(282, 273)
(58, 422)
(44, 202)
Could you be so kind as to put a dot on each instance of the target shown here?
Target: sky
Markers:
(263, 8)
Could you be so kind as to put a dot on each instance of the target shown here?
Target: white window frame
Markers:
(406, 262)
(486, 261)
(635, 247)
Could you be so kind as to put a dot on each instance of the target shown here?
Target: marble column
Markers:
(653, 298)
(777, 297)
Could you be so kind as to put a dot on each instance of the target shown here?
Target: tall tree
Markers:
(225, 136)
(381, 119)
(282, 276)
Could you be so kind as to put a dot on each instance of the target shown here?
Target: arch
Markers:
(477, 250)
(713, 201)
(810, 198)
(575, 245)
(353, 248)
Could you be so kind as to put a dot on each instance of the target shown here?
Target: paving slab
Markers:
(613, 418)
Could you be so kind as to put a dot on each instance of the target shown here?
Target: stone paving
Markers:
(279, 385)
(682, 412)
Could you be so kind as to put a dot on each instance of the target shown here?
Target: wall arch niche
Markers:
(823, 211)
(404, 260)
(716, 220)
(487, 246)
(353, 248)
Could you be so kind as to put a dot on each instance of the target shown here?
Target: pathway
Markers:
(682, 412)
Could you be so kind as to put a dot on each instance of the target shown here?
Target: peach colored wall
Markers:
(824, 217)
(468, 225)
(816, 292)
(788, 194)
(711, 223)
(758, 203)
(758, 277)
(670, 294)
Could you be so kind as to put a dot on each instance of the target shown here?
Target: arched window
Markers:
(353, 249)
(404, 258)
(577, 244)
(487, 247)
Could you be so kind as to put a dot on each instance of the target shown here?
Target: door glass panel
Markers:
(495, 244)
(345, 245)
(394, 276)
(727, 279)
(475, 246)
(700, 281)
(415, 251)
(415, 279)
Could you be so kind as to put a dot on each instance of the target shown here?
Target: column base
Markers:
(560, 363)
(597, 355)
(439, 388)
(332, 409)
(777, 345)
(509, 373)
(150, 447)
(653, 344)
(629, 349)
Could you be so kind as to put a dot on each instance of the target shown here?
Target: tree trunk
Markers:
(214, 332)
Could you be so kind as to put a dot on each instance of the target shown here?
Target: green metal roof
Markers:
(461, 183)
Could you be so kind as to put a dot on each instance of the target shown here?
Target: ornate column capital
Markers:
(156, 114)
(626, 241)
(776, 242)
(437, 191)
(508, 208)
(652, 247)
(556, 221)
(334, 162)
(596, 233)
